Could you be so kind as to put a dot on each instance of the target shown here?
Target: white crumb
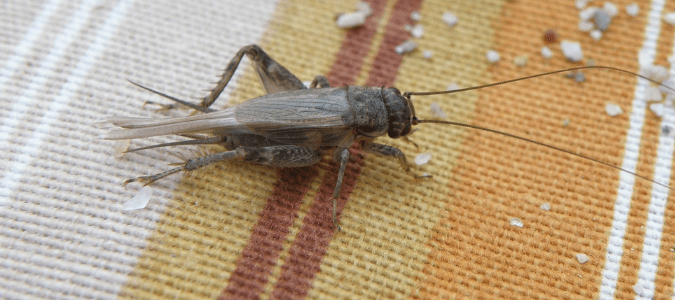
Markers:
(351, 20)
(121, 146)
(520, 61)
(582, 258)
(427, 54)
(596, 34)
(668, 86)
(516, 222)
(364, 7)
(659, 109)
(545, 206)
(653, 93)
(602, 19)
(588, 13)
(580, 4)
(140, 200)
(638, 289)
(406, 47)
(450, 18)
(654, 72)
(452, 87)
(613, 110)
(493, 56)
(417, 31)
(586, 26)
(632, 9)
(415, 16)
(669, 18)
(546, 52)
(422, 158)
(572, 51)
(610, 9)
(436, 110)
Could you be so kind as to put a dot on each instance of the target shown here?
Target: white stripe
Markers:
(17, 59)
(657, 206)
(27, 100)
(31, 149)
(654, 228)
(610, 274)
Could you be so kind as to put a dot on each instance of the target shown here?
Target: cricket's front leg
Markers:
(389, 151)
(273, 75)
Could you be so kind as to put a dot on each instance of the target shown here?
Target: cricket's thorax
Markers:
(369, 110)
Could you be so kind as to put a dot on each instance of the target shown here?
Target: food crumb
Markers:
(417, 31)
(436, 110)
(450, 18)
(566, 122)
(493, 56)
(406, 47)
(422, 158)
(550, 36)
(653, 93)
(140, 200)
(572, 51)
(638, 289)
(602, 19)
(585, 26)
(546, 52)
(516, 222)
(351, 20)
(121, 147)
(579, 77)
(546, 206)
(427, 54)
(654, 72)
(613, 110)
(582, 258)
(596, 34)
(520, 61)
(669, 18)
(632, 9)
(415, 16)
(659, 109)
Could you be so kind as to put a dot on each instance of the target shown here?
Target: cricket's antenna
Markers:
(418, 121)
(408, 94)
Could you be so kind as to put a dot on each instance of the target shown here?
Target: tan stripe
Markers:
(476, 252)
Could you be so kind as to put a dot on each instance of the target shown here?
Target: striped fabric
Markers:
(240, 231)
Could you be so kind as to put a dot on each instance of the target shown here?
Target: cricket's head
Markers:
(400, 112)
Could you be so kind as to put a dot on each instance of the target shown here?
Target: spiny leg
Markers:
(319, 82)
(189, 165)
(275, 78)
(389, 151)
(343, 156)
(276, 156)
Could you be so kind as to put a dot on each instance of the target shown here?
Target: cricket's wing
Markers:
(315, 117)
(311, 118)
(136, 128)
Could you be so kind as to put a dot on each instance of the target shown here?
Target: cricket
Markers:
(294, 126)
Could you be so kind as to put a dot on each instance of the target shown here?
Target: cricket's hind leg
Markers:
(275, 156)
(274, 77)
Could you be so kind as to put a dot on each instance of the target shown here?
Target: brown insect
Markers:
(292, 126)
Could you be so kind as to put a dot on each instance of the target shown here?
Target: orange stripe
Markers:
(476, 253)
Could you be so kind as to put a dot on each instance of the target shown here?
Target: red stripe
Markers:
(309, 247)
(262, 252)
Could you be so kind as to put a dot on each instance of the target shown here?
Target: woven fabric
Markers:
(234, 230)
